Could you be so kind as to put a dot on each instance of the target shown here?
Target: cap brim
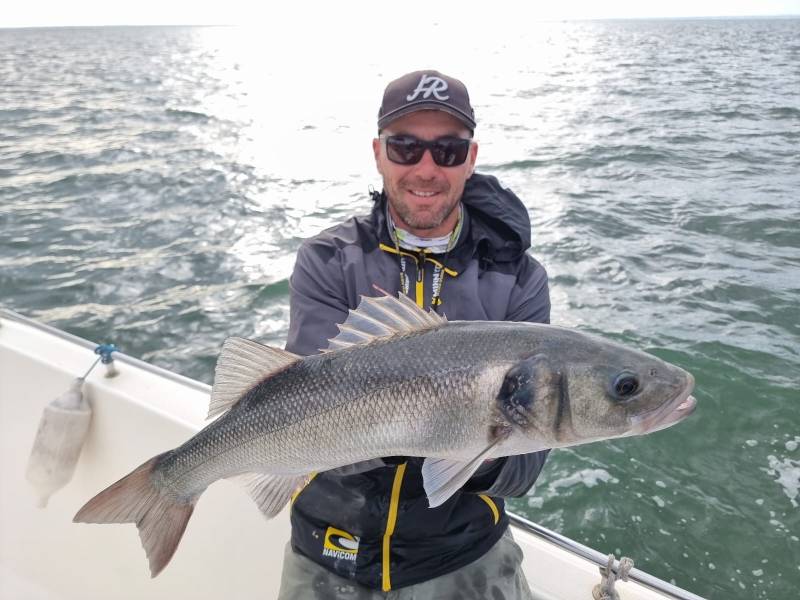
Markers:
(426, 105)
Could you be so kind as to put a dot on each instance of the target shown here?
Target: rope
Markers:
(94, 364)
(605, 589)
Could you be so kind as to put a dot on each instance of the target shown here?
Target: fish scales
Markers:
(395, 397)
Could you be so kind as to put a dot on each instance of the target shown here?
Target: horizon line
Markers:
(549, 20)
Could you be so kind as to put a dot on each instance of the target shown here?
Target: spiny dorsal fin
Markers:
(242, 364)
(382, 317)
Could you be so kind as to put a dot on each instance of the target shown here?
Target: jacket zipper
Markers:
(420, 260)
(420, 290)
(391, 521)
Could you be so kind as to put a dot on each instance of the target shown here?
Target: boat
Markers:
(229, 549)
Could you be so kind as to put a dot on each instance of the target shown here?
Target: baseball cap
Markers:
(425, 90)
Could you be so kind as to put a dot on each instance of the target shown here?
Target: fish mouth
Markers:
(671, 412)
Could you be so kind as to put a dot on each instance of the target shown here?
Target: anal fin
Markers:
(270, 492)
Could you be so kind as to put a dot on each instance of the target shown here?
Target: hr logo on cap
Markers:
(429, 86)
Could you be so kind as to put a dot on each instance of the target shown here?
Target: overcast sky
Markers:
(33, 13)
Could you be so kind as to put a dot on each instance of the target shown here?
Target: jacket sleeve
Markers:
(530, 298)
(317, 300)
(515, 475)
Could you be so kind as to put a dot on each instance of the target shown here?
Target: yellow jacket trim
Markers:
(450, 272)
(492, 506)
(396, 251)
(391, 520)
(441, 266)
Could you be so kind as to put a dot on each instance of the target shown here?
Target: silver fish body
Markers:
(428, 393)
(456, 393)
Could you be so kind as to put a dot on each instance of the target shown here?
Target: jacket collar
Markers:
(496, 224)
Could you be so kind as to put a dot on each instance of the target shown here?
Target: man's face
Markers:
(423, 197)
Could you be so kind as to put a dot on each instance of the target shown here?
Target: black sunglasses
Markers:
(448, 151)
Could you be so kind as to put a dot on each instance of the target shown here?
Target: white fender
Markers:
(59, 439)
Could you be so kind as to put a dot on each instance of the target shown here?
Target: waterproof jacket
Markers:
(374, 525)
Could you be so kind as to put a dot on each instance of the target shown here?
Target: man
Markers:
(455, 242)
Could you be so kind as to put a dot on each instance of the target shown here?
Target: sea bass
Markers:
(396, 381)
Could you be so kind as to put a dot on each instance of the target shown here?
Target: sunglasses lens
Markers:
(404, 150)
(408, 150)
(450, 152)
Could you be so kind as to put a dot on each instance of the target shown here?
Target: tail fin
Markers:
(160, 517)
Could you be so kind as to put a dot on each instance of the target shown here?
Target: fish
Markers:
(396, 381)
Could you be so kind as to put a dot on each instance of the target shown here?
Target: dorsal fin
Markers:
(381, 317)
(242, 364)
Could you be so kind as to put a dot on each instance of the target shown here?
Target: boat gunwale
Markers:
(600, 559)
(6, 313)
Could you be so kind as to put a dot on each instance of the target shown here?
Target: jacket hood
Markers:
(497, 221)
(498, 217)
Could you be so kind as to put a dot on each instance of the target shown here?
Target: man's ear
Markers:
(473, 157)
(376, 151)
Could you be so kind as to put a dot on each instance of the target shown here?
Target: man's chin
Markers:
(423, 229)
(422, 215)
(423, 219)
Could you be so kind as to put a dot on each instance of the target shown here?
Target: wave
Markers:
(784, 112)
(188, 114)
(16, 114)
(520, 164)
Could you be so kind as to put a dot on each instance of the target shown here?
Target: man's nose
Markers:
(426, 164)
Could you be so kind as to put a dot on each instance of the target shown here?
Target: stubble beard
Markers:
(422, 220)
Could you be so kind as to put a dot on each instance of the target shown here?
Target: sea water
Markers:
(155, 184)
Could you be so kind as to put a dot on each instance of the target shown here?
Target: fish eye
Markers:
(625, 385)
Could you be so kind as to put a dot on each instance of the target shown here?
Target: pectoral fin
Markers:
(442, 477)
